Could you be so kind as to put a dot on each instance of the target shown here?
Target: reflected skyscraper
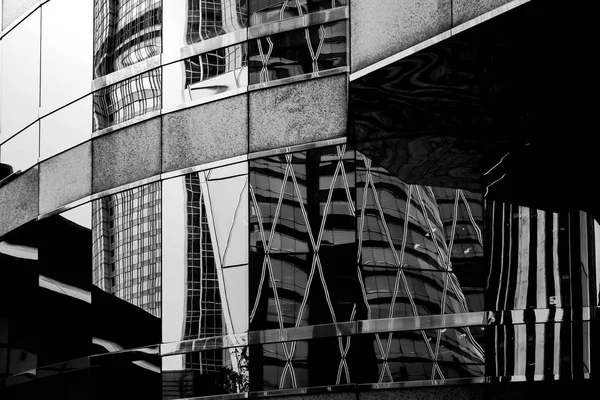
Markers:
(211, 18)
(127, 246)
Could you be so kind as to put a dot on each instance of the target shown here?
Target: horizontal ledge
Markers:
(204, 167)
(217, 42)
(436, 39)
(127, 72)
(206, 100)
(297, 148)
(540, 316)
(125, 124)
(298, 78)
(317, 18)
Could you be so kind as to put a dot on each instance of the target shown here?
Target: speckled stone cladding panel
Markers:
(205, 133)
(383, 28)
(298, 113)
(13, 9)
(127, 155)
(19, 200)
(66, 177)
(465, 10)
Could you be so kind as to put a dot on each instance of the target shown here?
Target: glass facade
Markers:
(432, 244)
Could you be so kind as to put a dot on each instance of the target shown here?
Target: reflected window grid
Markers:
(128, 99)
(302, 51)
(125, 32)
(210, 18)
(264, 11)
(126, 239)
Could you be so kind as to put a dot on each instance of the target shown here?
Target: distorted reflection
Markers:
(21, 151)
(206, 254)
(540, 351)
(309, 50)
(126, 237)
(191, 21)
(65, 258)
(303, 239)
(205, 75)
(125, 32)
(541, 259)
(213, 372)
(127, 99)
(263, 11)
(18, 301)
(66, 128)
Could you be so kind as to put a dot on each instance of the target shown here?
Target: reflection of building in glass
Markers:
(303, 222)
(204, 314)
(224, 69)
(127, 99)
(210, 18)
(125, 32)
(541, 260)
(126, 234)
(263, 11)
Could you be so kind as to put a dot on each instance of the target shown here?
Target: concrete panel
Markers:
(321, 396)
(465, 10)
(298, 113)
(126, 156)
(472, 392)
(383, 28)
(66, 177)
(206, 133)
(19, 200)
(12, 9)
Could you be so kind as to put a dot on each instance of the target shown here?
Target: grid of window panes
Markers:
(210, 18)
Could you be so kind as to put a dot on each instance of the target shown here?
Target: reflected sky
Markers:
(21, 151)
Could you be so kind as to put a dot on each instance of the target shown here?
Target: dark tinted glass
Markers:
(303, 51)
(302, 239)
(263, 11)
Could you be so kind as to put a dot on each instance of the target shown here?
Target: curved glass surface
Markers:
(263, 11)
(126, 269)
(205, 75)
(66, 48)
(302, 51)
(192, 21)
(125, 32)
(127, 99)
(66, 128)
(21, 80)
(205, 284)
(21, 151)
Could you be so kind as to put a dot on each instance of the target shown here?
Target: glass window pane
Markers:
(191, 21)
(206, 75)
(263, 11)
(21, 75)
(66, 50)
(302, 51)
(128, 99)
(66, 128)
(125, 34)
(21, 151)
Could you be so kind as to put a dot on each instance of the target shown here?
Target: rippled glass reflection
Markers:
(541, 259)
(127, 99)
(191, 21)
(309, 50)
(125, 32)
(263, 11)
(205, 75)
(126, 298)
(206, 251)
(213, 372)
(303, 239)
